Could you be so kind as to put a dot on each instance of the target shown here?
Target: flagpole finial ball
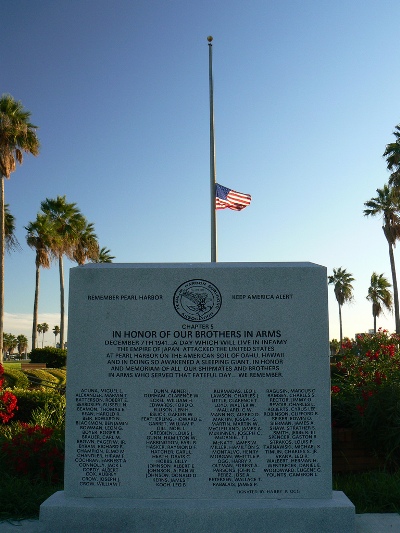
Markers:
(209, 38)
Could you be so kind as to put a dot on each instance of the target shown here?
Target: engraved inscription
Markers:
(100, 448)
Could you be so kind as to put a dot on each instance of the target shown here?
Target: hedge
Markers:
(15, 378)
(53, 357)
(29, 400)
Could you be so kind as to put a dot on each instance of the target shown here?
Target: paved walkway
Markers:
(365, 523)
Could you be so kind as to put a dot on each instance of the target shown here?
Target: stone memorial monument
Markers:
(198, 400)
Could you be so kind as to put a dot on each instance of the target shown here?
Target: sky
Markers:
(305, 101)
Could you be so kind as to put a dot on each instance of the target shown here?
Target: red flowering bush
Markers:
(34, 451)
(366, 391)
(8, 401)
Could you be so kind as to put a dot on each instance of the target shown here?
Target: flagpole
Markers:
(212, 159)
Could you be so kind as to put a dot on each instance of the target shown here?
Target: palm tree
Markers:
(87, 246)
(392, 154)
(387, 204)
(11, 242)
(379, 295)
(56, 331)
(22, 345)
(43, 328)
(39, 328)
(68, 222)
(104, 256)
(17, 135)
(12, 343)
(341, 281)
(41, 238)
(9, 342)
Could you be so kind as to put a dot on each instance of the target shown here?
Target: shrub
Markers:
(41, 377)
(51, 415)
(33, 451)
(366, 392)
(30, 400)
(53, 357)
(8, 402)
(60, 375)
(52, 378)
(15, 378)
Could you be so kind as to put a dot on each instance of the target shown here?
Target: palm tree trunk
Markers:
(374, 324)
(61, 269)
(2, 248)
(340, 326)
(395, 290)
(35, 308)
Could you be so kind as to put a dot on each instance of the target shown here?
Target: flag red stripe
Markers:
(228, 198)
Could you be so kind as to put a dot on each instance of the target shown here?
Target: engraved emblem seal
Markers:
(197, 300)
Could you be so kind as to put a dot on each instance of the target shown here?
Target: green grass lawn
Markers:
(371, 492)
(12, 365)
(20, 499)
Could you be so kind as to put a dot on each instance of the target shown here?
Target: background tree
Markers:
(56, 331)
(392, 154)
(39, 329)
(67, 222)
(22, 345)
(379, 295)
(43, 328)
(104, 256)
(341, 281)
(6, 339)
(86, 246)
(387, 204)
(12, 343)
(17, 135)
(41, 238)
(334, 346)
(9, 342)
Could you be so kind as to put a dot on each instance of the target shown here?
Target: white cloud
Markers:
(21, 324)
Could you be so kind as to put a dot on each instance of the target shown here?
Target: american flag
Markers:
(225, 197)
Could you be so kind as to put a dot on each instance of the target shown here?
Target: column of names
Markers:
(100, 448)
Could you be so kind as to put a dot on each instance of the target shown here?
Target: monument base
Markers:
(63, 514)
